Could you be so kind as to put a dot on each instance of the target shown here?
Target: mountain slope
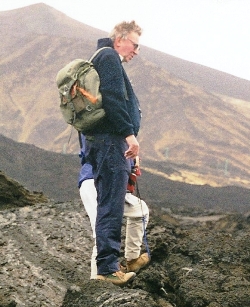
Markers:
(192, 115)
(56, 175)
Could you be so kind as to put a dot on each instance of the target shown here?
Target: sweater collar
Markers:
(107, 42)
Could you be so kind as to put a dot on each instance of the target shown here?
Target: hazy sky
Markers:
(214, 33)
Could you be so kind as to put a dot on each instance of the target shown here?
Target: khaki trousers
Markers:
(135, 210)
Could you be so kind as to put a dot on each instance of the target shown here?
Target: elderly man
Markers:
(111, 144)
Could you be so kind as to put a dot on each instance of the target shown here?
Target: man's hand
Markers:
(133, 147)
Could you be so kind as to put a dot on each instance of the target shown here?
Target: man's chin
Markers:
(127, 59)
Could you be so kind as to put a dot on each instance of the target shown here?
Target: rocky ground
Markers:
(199, 258)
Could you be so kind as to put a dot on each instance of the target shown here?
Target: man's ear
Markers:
(117, 42)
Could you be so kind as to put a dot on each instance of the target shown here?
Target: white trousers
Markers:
(134, 210)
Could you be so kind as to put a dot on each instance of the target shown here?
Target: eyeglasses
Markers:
(136, 46)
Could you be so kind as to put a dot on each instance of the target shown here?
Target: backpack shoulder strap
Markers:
(97, 51)
(124, 73)
(80, 139)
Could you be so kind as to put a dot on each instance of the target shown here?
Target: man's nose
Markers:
(136, 51)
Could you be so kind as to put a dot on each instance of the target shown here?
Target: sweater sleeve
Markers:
(112, 87)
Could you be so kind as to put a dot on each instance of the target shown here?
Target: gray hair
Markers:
(124, 28)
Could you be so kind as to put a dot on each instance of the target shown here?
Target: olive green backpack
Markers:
(81, 101)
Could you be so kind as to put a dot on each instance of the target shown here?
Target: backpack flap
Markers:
(67, 76)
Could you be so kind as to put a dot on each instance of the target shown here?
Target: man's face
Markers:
(128, 47)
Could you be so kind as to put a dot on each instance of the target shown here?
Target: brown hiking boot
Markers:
(118, 278)
(135, 265)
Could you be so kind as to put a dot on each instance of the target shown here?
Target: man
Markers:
(111, 144)
(135, 210)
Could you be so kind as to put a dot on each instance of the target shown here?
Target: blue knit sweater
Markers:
(119, 100)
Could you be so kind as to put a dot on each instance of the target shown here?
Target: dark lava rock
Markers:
(14, 194)
(98, 293)
(198, 259)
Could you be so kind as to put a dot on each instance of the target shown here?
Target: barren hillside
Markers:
(192, 115)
